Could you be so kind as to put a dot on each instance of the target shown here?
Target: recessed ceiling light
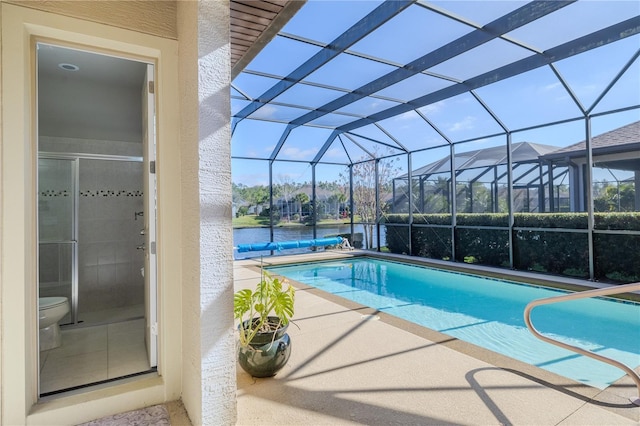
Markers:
(69, 67)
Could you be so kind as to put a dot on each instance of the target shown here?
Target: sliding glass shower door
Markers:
(57, 233)
(111, 240)
(90, 225)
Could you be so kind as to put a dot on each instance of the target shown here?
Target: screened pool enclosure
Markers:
(501, 133)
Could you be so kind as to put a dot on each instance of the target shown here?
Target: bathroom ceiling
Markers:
(101, 99)
(93, 67)
(68, 100)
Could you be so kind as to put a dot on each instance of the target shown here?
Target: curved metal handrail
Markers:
(584, 295)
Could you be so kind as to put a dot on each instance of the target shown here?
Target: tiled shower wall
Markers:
(88, 146)
(55, 227)
(109, 262)
(111, 193)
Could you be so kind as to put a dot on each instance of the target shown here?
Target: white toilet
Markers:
(50, 311)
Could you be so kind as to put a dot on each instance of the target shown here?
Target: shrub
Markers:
(560, 250)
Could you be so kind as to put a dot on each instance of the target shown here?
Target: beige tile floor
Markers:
(348, 369)
(108, 316)
(93, 354)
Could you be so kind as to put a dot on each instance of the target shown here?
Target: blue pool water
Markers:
(488, 313)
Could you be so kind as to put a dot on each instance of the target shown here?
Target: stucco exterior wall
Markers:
(209, 370)
(210, 373)
(216, 231)
(150, 17)
(188, 39)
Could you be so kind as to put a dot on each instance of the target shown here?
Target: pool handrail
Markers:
(624, 288)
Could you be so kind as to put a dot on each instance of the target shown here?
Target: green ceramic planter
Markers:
(266, 355)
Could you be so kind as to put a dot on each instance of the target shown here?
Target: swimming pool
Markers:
(487, 312)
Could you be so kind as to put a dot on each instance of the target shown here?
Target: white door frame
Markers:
(150, 264)
(150, 204)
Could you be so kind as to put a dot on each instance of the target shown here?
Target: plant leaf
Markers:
(242, 301)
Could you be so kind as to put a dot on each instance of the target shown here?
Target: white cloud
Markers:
(552, 86)
(294, 153)
(267, 111)
(251, 179)
(374, 104)
(466, 123)
(335, 153)
(409, 115)
(432, 108)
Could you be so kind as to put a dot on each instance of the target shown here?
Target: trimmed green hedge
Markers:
(483, 246)
(551, 220)
(434, 243)
(617, 257)
(560, 253)
(629, 221)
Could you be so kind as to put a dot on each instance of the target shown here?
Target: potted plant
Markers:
(264, 315)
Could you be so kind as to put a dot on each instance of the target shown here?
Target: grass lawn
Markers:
(250, 221)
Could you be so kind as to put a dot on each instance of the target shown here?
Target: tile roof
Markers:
(522, 152)
(620, 137)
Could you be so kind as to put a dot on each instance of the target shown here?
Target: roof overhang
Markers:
(253, 24)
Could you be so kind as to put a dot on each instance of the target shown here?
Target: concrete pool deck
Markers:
(351, 365)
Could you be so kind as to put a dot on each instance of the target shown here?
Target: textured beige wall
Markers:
(209, 385)
(218, 346)
(18, 207)
(191, 372)
(150, 17)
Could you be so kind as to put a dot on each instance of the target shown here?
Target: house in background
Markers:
(481, 181)
(172, 63)
(481, 176)
(616, 159)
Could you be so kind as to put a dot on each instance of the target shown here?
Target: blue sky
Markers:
(530, 99)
